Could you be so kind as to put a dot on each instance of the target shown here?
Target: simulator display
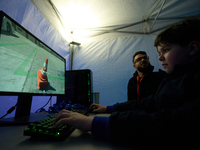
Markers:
(28, 66)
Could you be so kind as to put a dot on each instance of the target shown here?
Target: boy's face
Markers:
(171, 55)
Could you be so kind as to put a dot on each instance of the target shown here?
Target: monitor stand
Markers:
(22, 113)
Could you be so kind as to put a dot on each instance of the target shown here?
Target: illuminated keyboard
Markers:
(44, 128)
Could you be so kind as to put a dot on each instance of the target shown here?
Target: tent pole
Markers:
(72, 45)
(71, 56)
(156, 16)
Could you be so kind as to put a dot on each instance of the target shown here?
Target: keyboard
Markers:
(44, 128)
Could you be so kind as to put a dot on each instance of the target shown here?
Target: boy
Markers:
(170, 118)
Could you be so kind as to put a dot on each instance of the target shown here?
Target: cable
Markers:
(13, 108)
(44, 105)
(9, 111)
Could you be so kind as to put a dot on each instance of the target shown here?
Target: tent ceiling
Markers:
(82, 20)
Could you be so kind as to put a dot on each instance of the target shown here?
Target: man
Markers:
(144, 82)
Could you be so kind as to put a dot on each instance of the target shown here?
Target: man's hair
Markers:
(182, 33)
(139, 52)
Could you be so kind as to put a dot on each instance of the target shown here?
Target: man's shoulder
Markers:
(157, 74)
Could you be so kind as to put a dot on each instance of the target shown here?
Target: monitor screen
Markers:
(28, 66)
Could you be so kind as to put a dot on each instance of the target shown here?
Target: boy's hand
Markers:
(77, 120)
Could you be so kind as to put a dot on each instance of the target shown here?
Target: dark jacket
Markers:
(148, 85)
(170, 118)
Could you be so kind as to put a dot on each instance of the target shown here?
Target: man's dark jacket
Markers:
(171, 118)
(148, 85)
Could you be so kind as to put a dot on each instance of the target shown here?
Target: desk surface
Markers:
(12, 138)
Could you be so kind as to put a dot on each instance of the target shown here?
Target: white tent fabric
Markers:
(82, 20)
(110, 32)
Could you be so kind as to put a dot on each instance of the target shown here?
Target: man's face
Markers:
(141, 62)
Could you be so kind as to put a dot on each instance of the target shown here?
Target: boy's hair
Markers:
(139, 52)
(182, 34)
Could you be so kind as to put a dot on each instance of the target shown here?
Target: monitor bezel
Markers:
(10, 93)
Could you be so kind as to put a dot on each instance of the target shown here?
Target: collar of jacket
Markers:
(149, 70)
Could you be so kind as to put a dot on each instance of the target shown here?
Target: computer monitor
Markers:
(79, 88)
(28, 66)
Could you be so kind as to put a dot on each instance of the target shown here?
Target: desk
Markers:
(12, 138)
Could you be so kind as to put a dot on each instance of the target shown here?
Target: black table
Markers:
(12, 138)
